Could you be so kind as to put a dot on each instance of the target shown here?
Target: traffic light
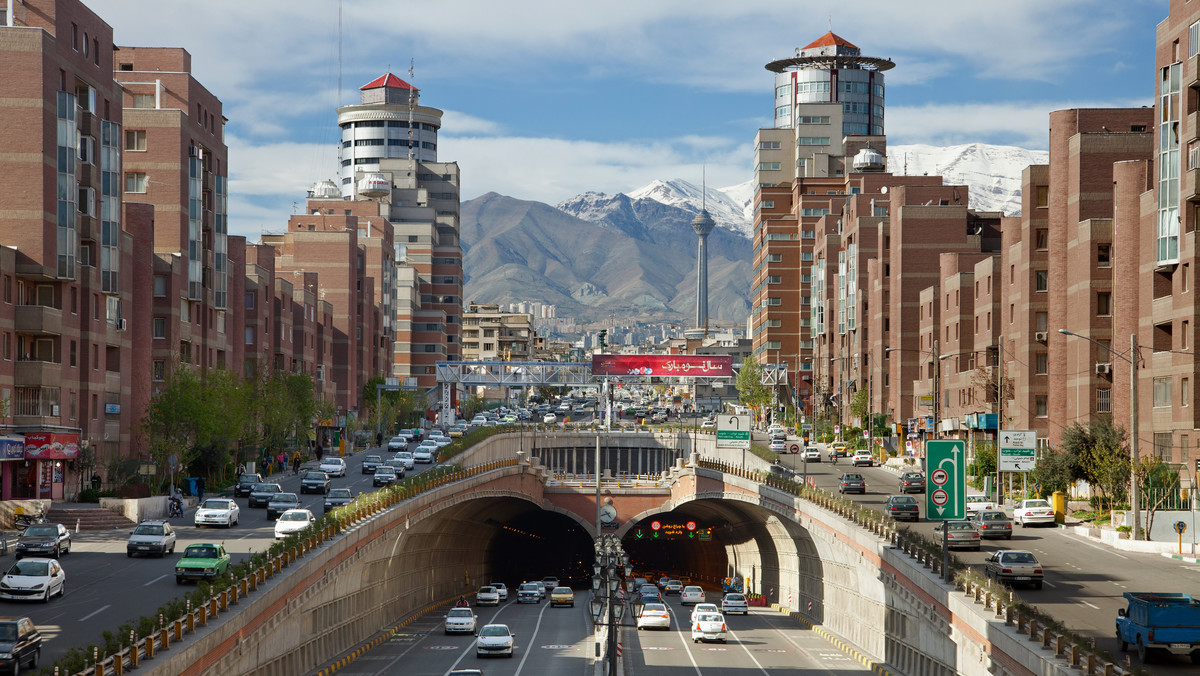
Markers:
(603, 338)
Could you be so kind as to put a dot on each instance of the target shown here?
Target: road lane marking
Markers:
(1090, 605)
(1049, 584)
(686, 648)
(1095, 546)
(160, 577)
(747, 651)
(95, 613)
(472, 645)
(526, 653)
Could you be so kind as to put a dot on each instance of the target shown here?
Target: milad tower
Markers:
(703, 225)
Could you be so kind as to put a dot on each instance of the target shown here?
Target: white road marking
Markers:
(160, 577)
(95, 612)
(1049, 584)
(1095, 546)
(1090, 605)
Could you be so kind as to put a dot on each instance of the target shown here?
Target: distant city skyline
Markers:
(544, 102)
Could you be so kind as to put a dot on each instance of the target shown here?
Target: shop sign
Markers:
(12, 447)
(51, 445)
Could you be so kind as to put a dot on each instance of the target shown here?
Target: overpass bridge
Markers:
(528, 512)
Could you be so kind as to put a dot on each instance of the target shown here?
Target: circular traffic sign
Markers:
(691, 525)
(939, 477)
(793, 448)
(939, 497)
(655, 525)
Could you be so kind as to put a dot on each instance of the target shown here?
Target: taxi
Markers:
(562, 596)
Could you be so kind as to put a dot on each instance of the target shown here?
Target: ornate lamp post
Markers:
(607, 604)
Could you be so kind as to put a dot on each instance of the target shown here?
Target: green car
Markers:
(200, 562)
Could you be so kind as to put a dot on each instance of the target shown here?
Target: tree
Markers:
(860, 405)
(751, 391)
(1158, 481)
(1102, 455)
(1057, 470)
(187, 417)
(472, 405)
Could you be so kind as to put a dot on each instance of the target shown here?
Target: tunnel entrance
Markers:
(532, 543)
(685, 542)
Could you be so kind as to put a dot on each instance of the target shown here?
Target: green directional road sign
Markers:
(733, 431)
(946, 480)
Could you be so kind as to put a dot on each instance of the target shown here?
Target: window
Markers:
(1041, 239)
(1162, 391)
(6, 348)
(1040, 320)
(768, 166)
(87, 201)
(135, 139)
(160, 327)
(1104, 401)
(1183, 339)
(812, 119)
(774, 258)
(95, 357)
(1104, 255)
(1194, 39)
(74, 354)
(160, 286)
(249, 300)
(1043, 195)
(1039, 406)
(768, 145)
(1103, 303)
(812, 140)
(159, 369)
(1041, 363)
(249, 336)
(819, 211)
(1185, 391)
(1185, 281)
(135, 182)
(1041, 280)
(87, 150)
(774, 279)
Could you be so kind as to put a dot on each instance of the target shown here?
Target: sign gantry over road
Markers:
(946, 496)
(1018, 451)
(733, 431)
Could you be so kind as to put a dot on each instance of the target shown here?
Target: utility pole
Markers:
(1000, 394)
(1135, 492)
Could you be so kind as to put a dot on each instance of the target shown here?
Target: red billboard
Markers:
(666, 365)
(51, 445)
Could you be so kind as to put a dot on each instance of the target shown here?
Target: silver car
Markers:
(487, 596)
(1014, 567)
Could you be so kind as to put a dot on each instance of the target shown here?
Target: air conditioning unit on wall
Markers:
(1041, 336)
(1103, 369)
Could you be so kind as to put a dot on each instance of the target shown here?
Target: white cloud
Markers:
(463, 123)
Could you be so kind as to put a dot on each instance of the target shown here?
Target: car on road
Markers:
(654, 616)
(396, 464)
(456, 432)
(217, 512)
(245, 484)
(673, 587)
(407, 457)
(20, 644)
(902, 508)
(424, 454)
(1033, 512)
(550, 582)
(550, 418)
(383, 476)
(734, 603)
(397, 443)
(812, 454)
(460, 621)
(501, 590)
(863, 457)
(704, 608)
(979, 503)
(691, 595)
(912, 482)
(959, 534)
(33, 579)
(333, 466)
(151, 537)
(707, 424)
(495, 639)
(992, 523)
(562, 596)
(262, 493)
(487, 596)
(314, 482)
(852, 482)
(201, 561)
(370, 462)
(44, 539)
(529, 592)
(280, 503)
(336, 497)
(479, 421)
(293, 521)
(779, 446)
(1011, 566)
(841, 448)
(708, 627)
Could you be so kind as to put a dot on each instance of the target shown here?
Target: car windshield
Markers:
(315, 475)
(215, 504)
(494, 630)
(903, 500)
(148, 529)
(487, 590)
(1037, 503)
(30, 568)
(460, 612)
(912, 477)
(385, 470)
(1018, 557)
(371, 458)
(340, 493)
(285, 497)
(250, 478)
(404, 454)
(654, 607)
(40, 532)
(8, 631)
(200, 552)
(266, 488)
(529, 587)
(976, 498)
(961, 525)
(294, 516)
(734, 597)
(332, 461)
(708, 617)
(852, 477)
(993, 516)
(562, 590)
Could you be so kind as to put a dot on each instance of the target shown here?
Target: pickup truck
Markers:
(1159, 623)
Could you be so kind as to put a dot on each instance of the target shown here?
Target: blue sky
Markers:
(546, 99)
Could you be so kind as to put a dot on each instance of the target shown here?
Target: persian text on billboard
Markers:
(662, 365)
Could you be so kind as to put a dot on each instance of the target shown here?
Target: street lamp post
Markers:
(611, 562)
(937, 381)
(1134, 488)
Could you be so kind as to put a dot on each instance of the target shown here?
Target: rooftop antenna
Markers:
(830, 23)
(412, 105)
(339, 92)
(703, 186)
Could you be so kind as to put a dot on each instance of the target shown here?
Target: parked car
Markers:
(734, 603)
(370, 462)
(902, 508)
(487, 596)
(333, 466)
(1033, 512)
(20, 644)
(708, 627)
(1012, 566)
(246, 484)
(691, 595)
(912, 482)
(992, 523)
(460, 621)
(151, 537)
(654, 616)
(44, 539)
(217, 512)
(262, 493)
(979, 503)
(201, 561)
(863, 457)
(495, 639)
(960, 534)
(852, 482)
(33, 579)
(280, 503)
(336, 497)
(384, 475)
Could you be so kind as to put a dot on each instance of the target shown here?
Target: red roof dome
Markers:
(387, 80)
(830, 39)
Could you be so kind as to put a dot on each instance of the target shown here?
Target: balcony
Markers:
(44, 374)
(88, 229)
(112, 382)
(38, 320)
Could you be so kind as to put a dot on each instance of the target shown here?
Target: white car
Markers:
(479, 421)
(217, 512)
(460, 621)
(442, 442)
(1033, 511)
(704, 608)
(734, 603)
(34, 579)
(708, 627)
(550, 418)
(708, 425)
(691, 595)
(654, 616)
(397, 443)
(862, 457)
(406, 457)
(778, 446)
(292, 521)
(333, 466)
(424, 454)
(979, 503)
(494, 639)
(487, 596)
(501, 590)
(812, 454)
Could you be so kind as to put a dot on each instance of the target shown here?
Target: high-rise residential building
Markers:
(490, 334)
(389, 159)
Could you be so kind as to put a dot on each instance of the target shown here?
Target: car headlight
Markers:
(180, 571)
(210, 569)
(4, 585)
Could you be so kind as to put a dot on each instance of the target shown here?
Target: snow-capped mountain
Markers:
(993, 173)
(730, 207)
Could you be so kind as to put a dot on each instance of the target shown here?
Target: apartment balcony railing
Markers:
(38, 320)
